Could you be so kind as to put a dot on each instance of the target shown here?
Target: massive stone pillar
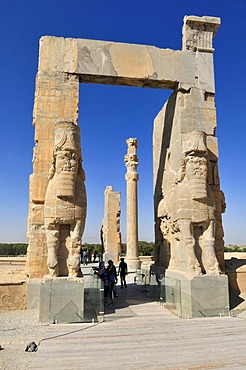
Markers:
(56, 100)
(65, 203)
(131, 162)
(111, 225)
(188, 199)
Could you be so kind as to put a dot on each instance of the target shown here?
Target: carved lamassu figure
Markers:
(188, 212)
(65, 202)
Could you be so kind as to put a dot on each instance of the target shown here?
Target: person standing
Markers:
(94, 256)
(122, 272)
(101, 271)
(112, 276)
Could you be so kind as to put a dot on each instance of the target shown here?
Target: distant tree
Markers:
(123, 249)
(13, 249)
(235, 248)
(145, 248)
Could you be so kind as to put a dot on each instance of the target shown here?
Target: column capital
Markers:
(131, 159)
(198, 33)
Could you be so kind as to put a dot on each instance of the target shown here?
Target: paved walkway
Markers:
(140, 334)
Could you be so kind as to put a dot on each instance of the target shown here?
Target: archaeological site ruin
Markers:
(188, 201)
(110, 232)
(131, 162)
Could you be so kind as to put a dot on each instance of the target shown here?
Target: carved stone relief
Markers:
(65, 200)
(187, 211)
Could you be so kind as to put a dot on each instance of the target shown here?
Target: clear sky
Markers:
(109, 115)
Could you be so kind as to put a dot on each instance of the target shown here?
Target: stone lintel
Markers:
(117, 63)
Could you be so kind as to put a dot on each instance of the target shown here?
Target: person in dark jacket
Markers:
(112, 277)
(122, 272)
(103, 274)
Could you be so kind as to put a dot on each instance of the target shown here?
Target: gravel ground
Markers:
(17, 330)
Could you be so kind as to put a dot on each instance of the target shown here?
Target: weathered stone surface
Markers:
(65, 202)
(116, 63)
(13, 296)
(235, 265)
(56, 98)
(198, 32)
(63, 63)
(189, 110)
(58, 54)
(137, 65)
(111, 225)
(131, 162)
(187, 211)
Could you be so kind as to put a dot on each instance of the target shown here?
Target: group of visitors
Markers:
(86, 257)
(110, 278)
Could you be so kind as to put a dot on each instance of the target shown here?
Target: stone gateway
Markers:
(188, 202)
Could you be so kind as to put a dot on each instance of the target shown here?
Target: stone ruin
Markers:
(187, 196)
(65, 203)
(188, 202)
(111, 236)
(132, 177)
(187, 210)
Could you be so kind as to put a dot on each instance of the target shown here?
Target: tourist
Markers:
(88, 256)
(112, 276)
(122, 272)
(85, 258)
(94, 256)
(102, 273)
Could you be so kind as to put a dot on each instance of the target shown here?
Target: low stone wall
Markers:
(146, 259)
(13, 295)
(12, 283)
(17, 260)
(235, 265)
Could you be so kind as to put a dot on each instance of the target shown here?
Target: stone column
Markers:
(111, 225)
(131, 161)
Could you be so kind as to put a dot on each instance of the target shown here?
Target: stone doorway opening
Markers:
(108, 115)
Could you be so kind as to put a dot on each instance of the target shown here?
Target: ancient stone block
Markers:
(58, 54)
(13, 296)
(111, 225)
(38, 185)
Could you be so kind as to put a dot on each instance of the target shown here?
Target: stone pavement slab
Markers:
(141, 334)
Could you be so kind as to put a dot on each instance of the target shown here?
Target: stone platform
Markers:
(139, 333)
(61, 300)
(202, 296)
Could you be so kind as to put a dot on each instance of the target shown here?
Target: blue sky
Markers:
(110, 115)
